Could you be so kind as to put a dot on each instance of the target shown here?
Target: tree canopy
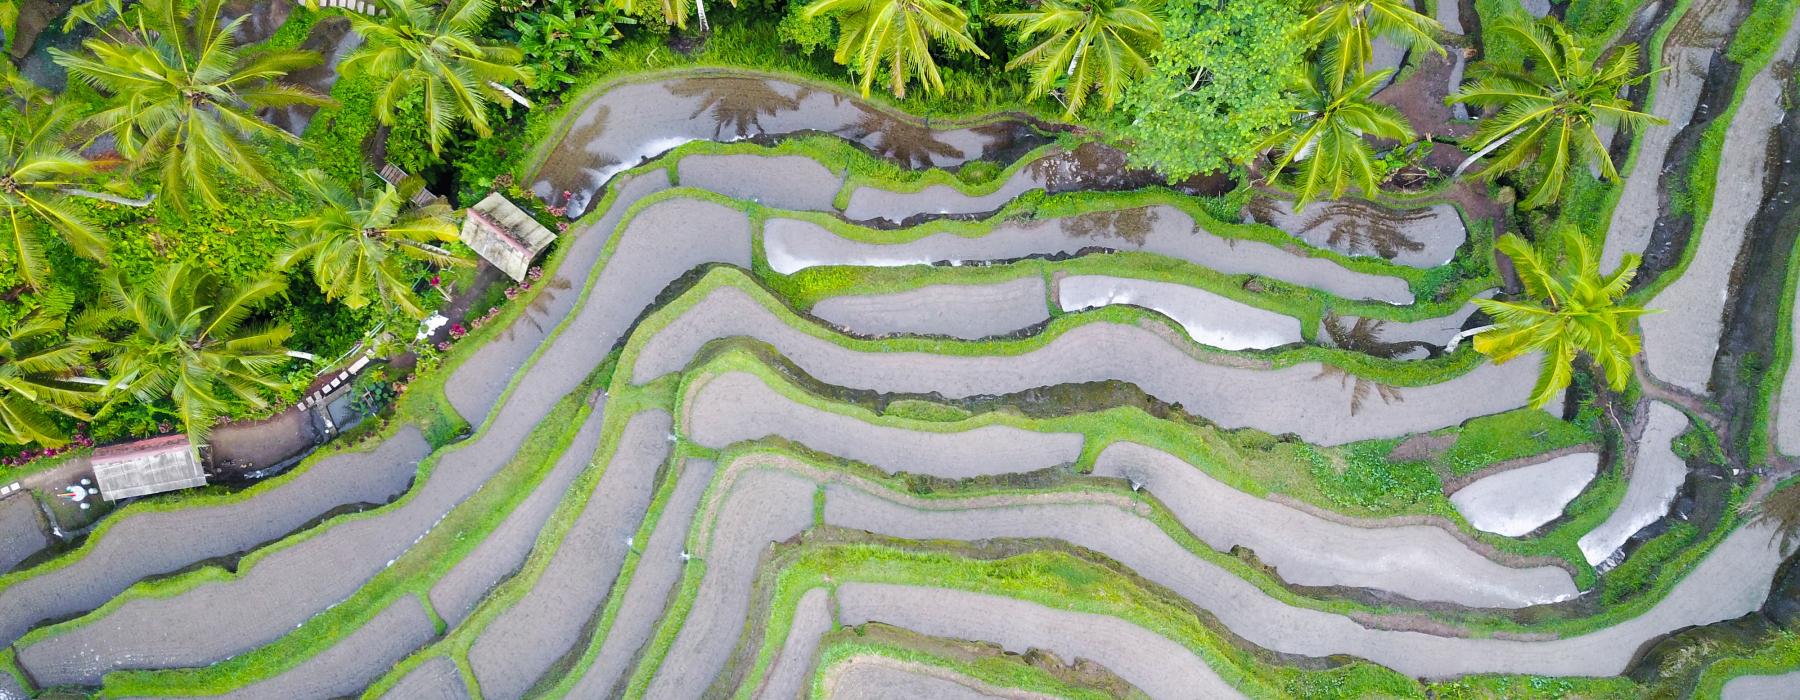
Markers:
(1215, 88)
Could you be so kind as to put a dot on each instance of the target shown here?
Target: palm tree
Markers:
(359, 245)
(895, 35)
(36, 169)
(1551, 109)
(1325, 136)
(418, 48)
(184, 98)
(1097, 45)
(38, 376)
(1572, 310)
(1781, 511)
(1349, 27)
(187, 341)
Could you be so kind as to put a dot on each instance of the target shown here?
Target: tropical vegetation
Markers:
(185, 335)
(893, 38)
(1088, 47)
(418, 51)
(184, 97)
(39, 171)
(359, 245)
(1325, 139)
(38, 366)
(1571, 310)
(1551, 109)
(1346, 31)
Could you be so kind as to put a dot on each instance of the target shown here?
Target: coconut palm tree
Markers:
(36, 170)
(1552, 108)
(184, 97)
(38, 376)
(1572, 310)
(1091, 46)
(1325, 137)
(184, 337)
(1347, 28)
(358, 245)
(418, 48)
(896, 36)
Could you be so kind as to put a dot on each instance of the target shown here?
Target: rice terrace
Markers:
(857, 349)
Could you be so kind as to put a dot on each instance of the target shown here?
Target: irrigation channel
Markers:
(773, 426)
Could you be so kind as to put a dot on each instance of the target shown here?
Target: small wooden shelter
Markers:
(133, 469)
(505, 235)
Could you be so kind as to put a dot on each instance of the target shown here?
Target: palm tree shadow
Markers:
(735, 103)
(911, 144)
(1131, 225)
(1360, 388)
(1364, 336)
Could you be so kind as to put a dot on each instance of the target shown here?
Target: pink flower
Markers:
(434, 281)
(457, 330)
(443, 346)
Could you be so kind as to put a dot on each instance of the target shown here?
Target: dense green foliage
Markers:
(1088, 46)
(184, 97)
(1573, 310)
(1346, 31)
(1216, 87)
(359, 244)
(893, 38)
(1326, 136)
(422, 52)
(1552, 107)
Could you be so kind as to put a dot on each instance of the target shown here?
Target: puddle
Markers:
(1208, 318)
(1422, 238)
(1515, 502)
(631, 123)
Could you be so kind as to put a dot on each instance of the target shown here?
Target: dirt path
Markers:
(522, 642)
(968, 311)
(1420, 562)
(653, 587)
(791, 245)
(1302, 399)
(738, 406)
(144, 543)
(504, 550)
(436, 679)
(1158, 666)
(1679, 344)
(355, 661)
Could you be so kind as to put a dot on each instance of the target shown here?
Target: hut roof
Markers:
(505, 235)
(144, 467)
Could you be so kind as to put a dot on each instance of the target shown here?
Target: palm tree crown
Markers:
(1097, 45)
(187, 341)
(1326, 134)
(358, 245)
(1349, 27)
(185, 98)
(895, 35)
(420, 48)
(1572, 309)
(1552, 108)
(35, 168)
(37, 363)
